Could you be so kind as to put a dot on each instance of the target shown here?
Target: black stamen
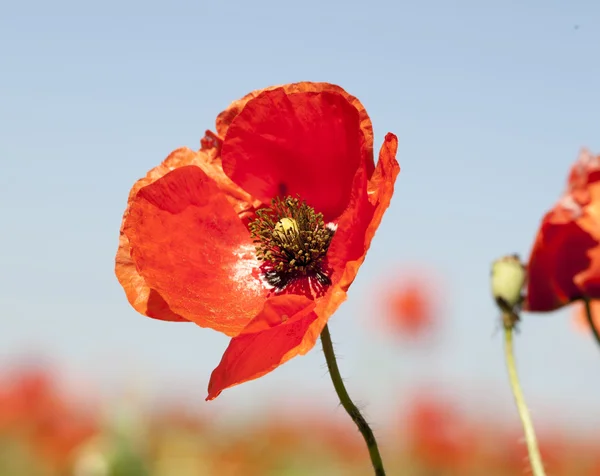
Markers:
(292, 241)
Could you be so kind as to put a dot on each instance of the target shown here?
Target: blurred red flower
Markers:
(565, 261)
(260, 233)
(438, 434)
(411, 305)
(32, 407)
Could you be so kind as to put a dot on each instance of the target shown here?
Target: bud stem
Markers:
(590, 318)
(348, 405)
(535, 458)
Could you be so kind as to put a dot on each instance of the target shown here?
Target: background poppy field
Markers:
(491, 104)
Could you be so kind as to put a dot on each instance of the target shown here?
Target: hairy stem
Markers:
(588, 313)
(348, 405)
(535, 459)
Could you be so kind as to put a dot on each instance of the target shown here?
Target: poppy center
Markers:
(292, 241)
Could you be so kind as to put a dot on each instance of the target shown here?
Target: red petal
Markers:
(306, 144)
(225, 119)
(265, 343)
(584, 172)
(145, 300)
(354, 234)
(360, 221)
(565, 260)
(189, 245)
(558, 255)
(588, 280)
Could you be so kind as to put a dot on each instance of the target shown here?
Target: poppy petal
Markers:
(305, 144)
(264, 343)
(565, 260)
(589, 279)
(145, 300)
(225, 119)
(354, 234)
(360, 221)
(189, 245)
(559, 254)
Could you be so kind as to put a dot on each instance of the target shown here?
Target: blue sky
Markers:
(491, 103)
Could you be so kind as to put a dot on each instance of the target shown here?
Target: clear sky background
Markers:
(491, 101)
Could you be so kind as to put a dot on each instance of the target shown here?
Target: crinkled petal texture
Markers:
(190, 247)
(142, 297)
(565, 261)
(308, 144)
(225, 119)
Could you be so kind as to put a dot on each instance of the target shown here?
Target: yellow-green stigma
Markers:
(291, 241)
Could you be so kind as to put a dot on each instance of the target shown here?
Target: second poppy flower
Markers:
(565, 261)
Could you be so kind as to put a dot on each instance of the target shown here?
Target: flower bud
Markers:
(508, 278)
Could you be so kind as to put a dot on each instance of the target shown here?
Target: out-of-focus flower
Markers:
(565, 261)
(438, 434)
(411, 303)
(409, 309)
(32, 407)
(26, 396)
(260, 233)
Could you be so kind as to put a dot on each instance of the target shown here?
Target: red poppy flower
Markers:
(565, 261)
(438, 434)
(411, 304)
(260, 233)
(33, 408)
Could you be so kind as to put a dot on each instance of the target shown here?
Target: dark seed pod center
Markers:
(292, 241)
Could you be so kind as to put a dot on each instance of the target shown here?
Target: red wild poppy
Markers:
(260, 233)
(411, 304)
(34, 410)
(438, 434)
(565, 261)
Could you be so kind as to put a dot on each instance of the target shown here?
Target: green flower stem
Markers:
(348, 405)
(535, 459)
(588, 313)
